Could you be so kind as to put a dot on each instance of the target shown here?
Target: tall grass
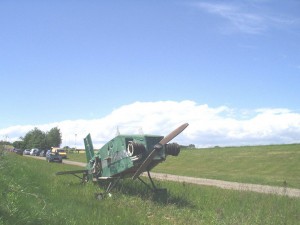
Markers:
(32, 194)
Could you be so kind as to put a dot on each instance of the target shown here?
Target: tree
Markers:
(18, 144)
(39, 139)
(53, 137)
(34, 139)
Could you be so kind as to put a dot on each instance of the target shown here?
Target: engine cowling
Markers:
(172, 149)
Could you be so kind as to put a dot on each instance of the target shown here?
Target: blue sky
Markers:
(83, 60)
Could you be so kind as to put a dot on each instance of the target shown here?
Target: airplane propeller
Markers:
(157, 147)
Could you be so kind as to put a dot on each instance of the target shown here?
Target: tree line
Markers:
(36, 138)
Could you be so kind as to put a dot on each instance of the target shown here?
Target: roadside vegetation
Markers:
(32, 194)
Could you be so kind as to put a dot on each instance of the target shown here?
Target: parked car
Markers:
(60, 151)
(33, 151)
(42, 153)
(18, 151)
(53, 157)
(26, 152)
(39, 152)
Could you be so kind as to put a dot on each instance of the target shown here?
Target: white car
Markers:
(33, 151)
(26, 152)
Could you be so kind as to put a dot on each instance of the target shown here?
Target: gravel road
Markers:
(291, 192)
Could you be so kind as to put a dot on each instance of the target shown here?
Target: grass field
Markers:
(277, 165)
(78, 157)
(32, 194)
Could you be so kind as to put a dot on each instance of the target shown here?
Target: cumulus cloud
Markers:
(209, 126)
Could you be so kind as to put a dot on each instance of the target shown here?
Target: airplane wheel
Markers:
(99, 196)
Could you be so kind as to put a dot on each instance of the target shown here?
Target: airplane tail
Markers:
(89, 149)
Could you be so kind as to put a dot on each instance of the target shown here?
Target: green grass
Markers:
(78, 157)
(276, 165)
(32, 194)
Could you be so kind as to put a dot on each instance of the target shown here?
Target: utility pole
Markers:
(75, 142)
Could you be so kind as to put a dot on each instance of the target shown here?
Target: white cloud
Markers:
(247, 18)
(242, 21)
(209, 126)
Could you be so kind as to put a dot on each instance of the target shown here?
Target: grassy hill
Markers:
(32, 194)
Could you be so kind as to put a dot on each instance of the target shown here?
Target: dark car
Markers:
(18, 151)
(53, 157)
(41, 153)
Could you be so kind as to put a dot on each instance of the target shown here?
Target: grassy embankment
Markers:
(32, 194)
(276, 165)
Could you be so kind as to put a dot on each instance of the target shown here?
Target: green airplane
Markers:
(126, 156)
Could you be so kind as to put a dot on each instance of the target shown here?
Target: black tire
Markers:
(99, 196)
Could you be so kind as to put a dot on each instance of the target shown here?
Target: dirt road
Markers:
(290, 192)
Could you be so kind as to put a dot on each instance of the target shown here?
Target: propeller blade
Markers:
(173, 134)
(164, 141)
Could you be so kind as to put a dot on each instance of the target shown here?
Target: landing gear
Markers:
(160, 194)
(153, 188)
(111, 185)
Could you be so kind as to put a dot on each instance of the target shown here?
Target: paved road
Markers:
(290, 192)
